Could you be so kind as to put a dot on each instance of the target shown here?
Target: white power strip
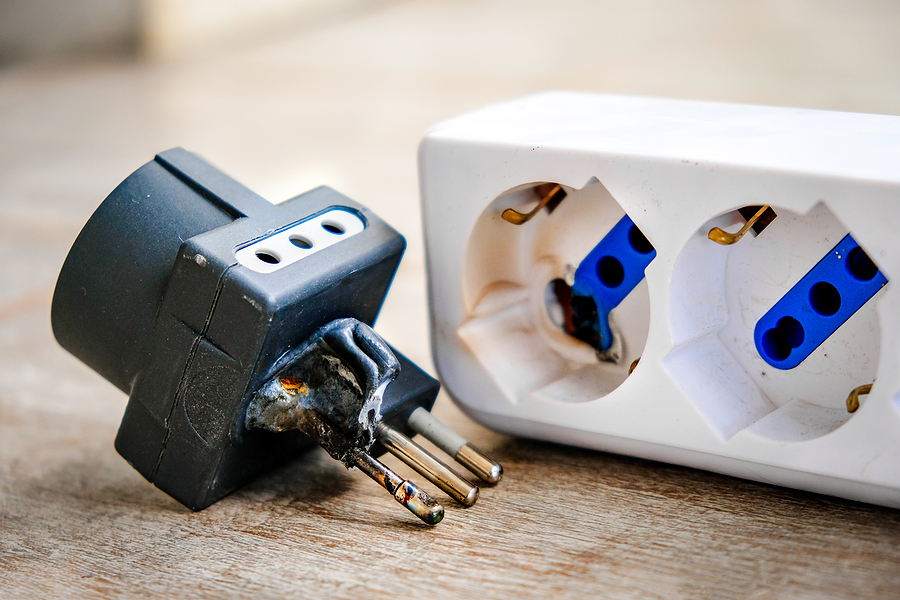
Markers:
(702, 394)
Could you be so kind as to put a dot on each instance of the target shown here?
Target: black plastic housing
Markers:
(152, 298)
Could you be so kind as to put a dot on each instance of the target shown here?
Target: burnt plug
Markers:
(240, 331)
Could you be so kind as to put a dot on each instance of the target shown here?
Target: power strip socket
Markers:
(748, 352)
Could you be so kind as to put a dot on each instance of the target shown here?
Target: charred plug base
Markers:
(332, 389)
(188, 292)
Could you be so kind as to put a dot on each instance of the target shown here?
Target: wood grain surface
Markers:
(345, 103)
(76, 520)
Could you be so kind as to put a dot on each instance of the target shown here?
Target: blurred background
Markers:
(285, 95)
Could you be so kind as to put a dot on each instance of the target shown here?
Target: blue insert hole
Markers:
(860, 265)
(786, 336)
(639, 241)
(825, 298)
(610, 271)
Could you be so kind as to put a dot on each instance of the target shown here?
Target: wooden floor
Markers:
(345, 102)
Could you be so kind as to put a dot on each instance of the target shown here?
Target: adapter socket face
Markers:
(688, 384)
(297, 242)
(176, 321)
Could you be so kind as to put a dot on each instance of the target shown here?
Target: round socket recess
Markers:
(512, 277)
(720, 293)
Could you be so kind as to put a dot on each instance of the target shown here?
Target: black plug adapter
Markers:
(188, 291)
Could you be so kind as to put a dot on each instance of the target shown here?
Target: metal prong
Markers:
(853, 398)
(516, 218)
(476, 461)
(406, 493)
(427, 465)
(479, 463)
(720, 236)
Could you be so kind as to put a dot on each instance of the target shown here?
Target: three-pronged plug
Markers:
(345, 388)
(202, 301)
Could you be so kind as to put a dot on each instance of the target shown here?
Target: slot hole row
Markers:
(301, 242)
(825, 300)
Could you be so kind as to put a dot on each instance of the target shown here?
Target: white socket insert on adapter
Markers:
(701, 394)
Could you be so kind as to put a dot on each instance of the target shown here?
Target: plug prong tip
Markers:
(476, 461)
(479, 463)
(405, 492)
(419, 503)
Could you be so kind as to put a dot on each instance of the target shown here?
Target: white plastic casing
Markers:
(701, 395)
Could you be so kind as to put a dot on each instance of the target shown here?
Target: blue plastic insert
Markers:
(612, 269)
(817, 305)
